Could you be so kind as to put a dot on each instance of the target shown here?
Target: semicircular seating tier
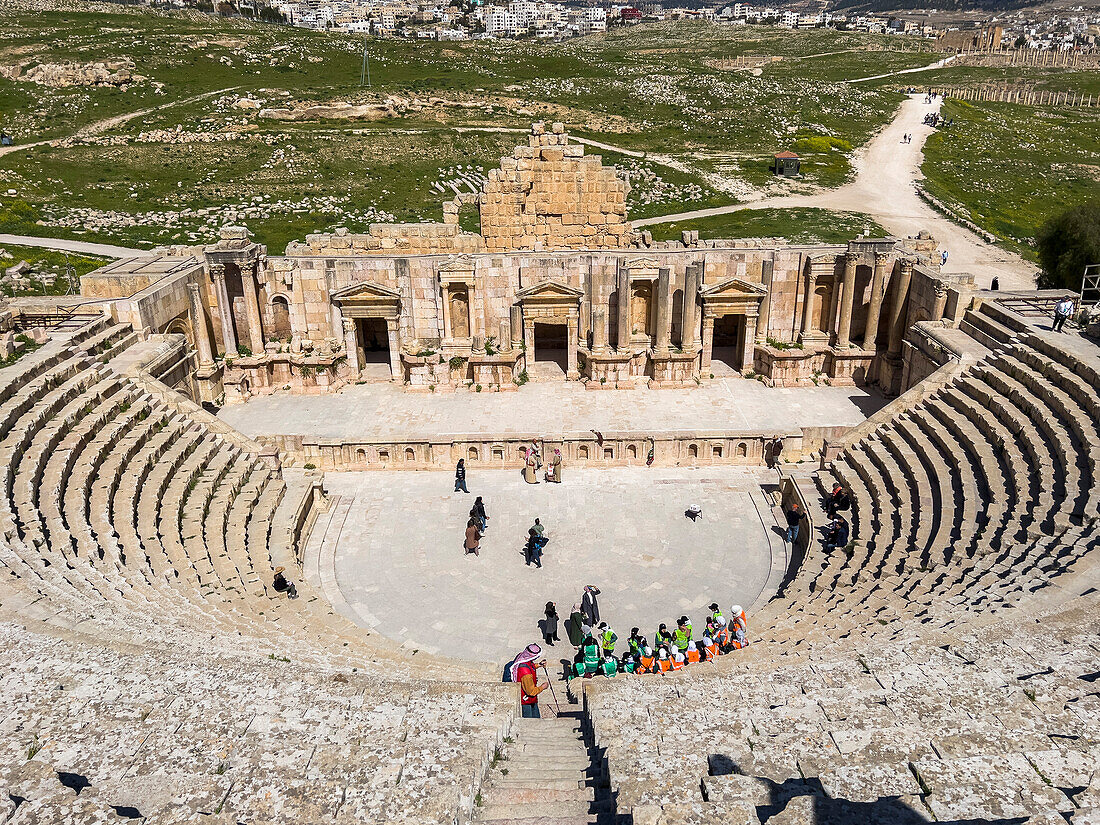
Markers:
(943, 665)
(150, 671)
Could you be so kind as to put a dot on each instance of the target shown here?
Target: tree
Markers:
(1067, 243)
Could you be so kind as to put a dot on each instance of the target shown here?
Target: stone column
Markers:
(572, 342)
(624, 309)
(941, 300)
(878, 287)
(664, 310)
(393, 339)
(848, 300)
(529, 341)
(504, 334)
(444, 291)
(808, 305)
(899, 306)
(599, 329)
(252, 307)
(351, 348)
(708, 341)
(515, 318)
(748, 350)
(225, 308)
(766, 269)
(690, 321)
(200, 330)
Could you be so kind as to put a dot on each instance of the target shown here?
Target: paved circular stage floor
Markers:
(389, 552)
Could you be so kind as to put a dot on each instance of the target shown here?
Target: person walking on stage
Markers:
(473, 538)
(460, 476)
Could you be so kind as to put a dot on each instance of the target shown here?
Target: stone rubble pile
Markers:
(65, 75)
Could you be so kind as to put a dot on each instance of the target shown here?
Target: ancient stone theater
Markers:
(207, 616)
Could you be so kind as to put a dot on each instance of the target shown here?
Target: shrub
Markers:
(1066, 244)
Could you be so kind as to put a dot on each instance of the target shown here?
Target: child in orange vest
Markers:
(648, 661)
(678, 660)
(663, 662)
(711, 648)
(693, 657)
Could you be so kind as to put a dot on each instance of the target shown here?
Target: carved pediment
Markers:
(733, 288)
(457, 268)
(548, 292)
(366, 292)
(643, 264)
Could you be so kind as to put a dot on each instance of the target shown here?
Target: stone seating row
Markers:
(950, 502)
(118, 507)
(984, 724)
(94, 734)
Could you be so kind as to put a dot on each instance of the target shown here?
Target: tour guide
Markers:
(524, 671)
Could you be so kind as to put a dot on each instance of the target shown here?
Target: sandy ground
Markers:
(883, 188)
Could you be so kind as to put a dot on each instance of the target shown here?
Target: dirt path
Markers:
(111, 122)
(66, 245)
(886, 171)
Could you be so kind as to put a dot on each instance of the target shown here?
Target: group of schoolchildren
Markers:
(670, 651)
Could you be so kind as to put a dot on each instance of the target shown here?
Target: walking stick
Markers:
(550, 682)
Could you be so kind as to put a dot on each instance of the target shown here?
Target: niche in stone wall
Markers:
(632, 451)
(498, 454)
(459, 297)
(641, 304)
(471, 454)
(410, 454)
(742, 450)
(716, 451)
(693, 450)
(280, 319)
(383, 456)
(608, 453)
(582, 452)
(361, 456)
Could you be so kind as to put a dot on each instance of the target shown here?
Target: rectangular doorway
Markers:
(373, 342)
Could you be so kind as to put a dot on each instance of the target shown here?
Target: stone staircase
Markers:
(546, 773)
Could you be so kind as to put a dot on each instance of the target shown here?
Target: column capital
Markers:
(882, 257)
(217, 271)
(941, 288)
(852, 258)
(193, 288)
(907, 266)
(349, 324)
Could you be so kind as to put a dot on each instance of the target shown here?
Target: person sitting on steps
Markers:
(281, 584)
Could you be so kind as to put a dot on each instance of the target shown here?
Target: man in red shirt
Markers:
(525, 671)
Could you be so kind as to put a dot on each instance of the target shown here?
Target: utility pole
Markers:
(364, 72)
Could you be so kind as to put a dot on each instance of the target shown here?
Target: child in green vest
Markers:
(591, 652)
(609, 666)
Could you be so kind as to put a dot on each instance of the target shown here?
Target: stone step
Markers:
(497, 795)
(537, 782)
(534, 809)
(588, 819)
(534, 759)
